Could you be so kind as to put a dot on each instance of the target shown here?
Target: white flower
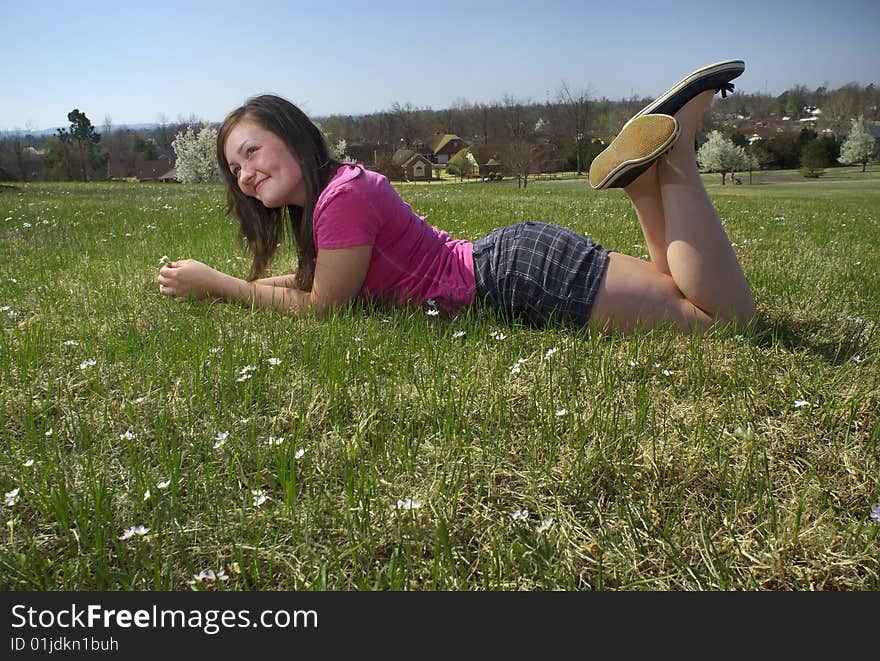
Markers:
(139, 530)
(12, 315)
(163, 259)
(215, 349)
(433, 312)
(561, 412)
(666, 373)
(245, 372)
(498, 335)
(29, 463)
(208, 575)
(139, 400)
(163, 485)
(71, 343)
(243, 377)
(857, 358)
(431, 303)
(258, 497)
(127, 436)
(520, 515)
(273, 440)
(221, 439)
(274, 361)
(631, 363)
(299, 453)
(49, 433)
(517, 366)
(546, 523)
(5, 308)
(458, 334)
(800, 403)
(408, 504)
(550, 352)
(147, 495)
(87, 363)
(11, 497)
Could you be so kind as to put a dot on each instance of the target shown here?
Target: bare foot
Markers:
(690, 117)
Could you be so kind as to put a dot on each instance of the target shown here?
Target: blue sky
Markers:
(136, 60)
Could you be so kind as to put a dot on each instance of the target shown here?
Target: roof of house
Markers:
(143, 170)
(403, 157)
(440, 141)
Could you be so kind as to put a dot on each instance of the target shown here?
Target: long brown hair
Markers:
(261, 228)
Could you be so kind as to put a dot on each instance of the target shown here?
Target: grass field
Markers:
(152, 445)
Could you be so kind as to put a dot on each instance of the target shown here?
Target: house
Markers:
(132, 168)
(415, 166)
(367, 153)
(491, 169)
(444, 146)
(767, 130)
(169, 177)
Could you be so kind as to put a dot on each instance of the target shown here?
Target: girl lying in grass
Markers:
(357, 239)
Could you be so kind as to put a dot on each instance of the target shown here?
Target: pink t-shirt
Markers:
(412, 261)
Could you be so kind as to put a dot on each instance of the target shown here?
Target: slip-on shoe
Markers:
(641, 142)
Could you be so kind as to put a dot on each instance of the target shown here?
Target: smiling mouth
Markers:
(259, 183)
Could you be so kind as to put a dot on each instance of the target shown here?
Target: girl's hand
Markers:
(188, 279)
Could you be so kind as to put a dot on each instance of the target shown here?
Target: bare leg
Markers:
(644, 193)
(700, 258)
(695, 277)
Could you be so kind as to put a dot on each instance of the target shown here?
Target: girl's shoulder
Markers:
(353, 179)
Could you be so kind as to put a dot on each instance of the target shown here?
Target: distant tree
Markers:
(518, 154)
(463, 164)
(831, 146)
(196, 155)
(840, 107)
(785, 151)
(77, 150)
(859, 145)
(163, 133)
(718, 154)
(576, 110)
(407, 120)
(13, 157)
(814, 160)
(147, 148)
(739, 139)
(386, 166)
(339, 151)
(796, 100)
(759, 156)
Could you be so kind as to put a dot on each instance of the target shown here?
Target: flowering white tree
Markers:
(338, 150)
(718, 154)
(859, 145)
(196, 155)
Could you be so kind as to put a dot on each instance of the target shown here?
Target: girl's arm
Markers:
(339, 276)
(288, 281)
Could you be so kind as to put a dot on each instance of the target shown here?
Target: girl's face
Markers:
(264, 166)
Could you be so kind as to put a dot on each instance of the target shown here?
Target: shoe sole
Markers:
(714, 76)
(629, 170)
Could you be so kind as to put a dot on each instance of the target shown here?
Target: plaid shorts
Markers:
(539, 272)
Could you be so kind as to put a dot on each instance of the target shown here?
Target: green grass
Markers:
(648, 462)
